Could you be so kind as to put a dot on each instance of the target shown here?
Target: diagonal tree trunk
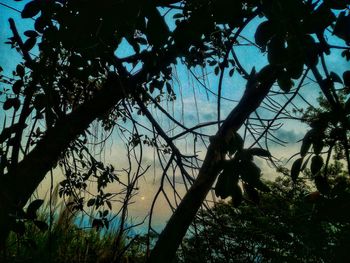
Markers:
(20, 182)
(176, 228)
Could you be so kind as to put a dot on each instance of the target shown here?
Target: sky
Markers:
(193, 106)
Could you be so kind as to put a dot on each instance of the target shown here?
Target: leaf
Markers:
(39, 102)
(236, 144)
(20, 71)
(310, 50)
(16, 88)
(284, 82)
(31, 33)
(347, 106)
(318, 145)
(13, 102)
(336, 4)
(262, 187)
(342, 27)
(306, 143)
(236, 195)
(226, 181)
(91, 202)
(216, 70)
(346, 78)
(157, 30)
(263, 33)
(335, 77)
(33, 207)
(18, 227)
(250, 173)
(296, 168)
(316, 164)
(41, 225)
(259, 152)
(322, 184)
(276, 51)
(31, 9)
(251, 193)
(29, 44)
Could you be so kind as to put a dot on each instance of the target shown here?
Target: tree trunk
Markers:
(177, 226)
(20, 182)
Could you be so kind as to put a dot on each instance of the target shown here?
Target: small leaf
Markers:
(322, 184)
(225, 183)
(33, 207)
(18, 228)
(316, 164)
(335, 77)
(263, 33)
(306, 143)
(318, 146)
(41, 225)
(16, 88)
(31, 9)
(346, 78)
(296, 168)
(216, 70)
(31, 33)
(20, 70)
(91, 202)
(29, 44)
(251, 193)
(250, 173)
(39, 102)
(259, 152)
(236, 144)
(236, 195)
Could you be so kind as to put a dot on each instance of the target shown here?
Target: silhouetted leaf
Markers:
(250, 172)
(33, 207)
(225, 183)
(41, 225)
(12, 103)
(31, 9)
(263, 33)
(342, 27)
(236, 195)
(20, 70)
(335, 77)
(91, 202)
(284, 82)
(16, 88)
(31, 33)
(296, 168)
(306, 143)
(157, 29)
(259, 152)
(235, 144)
(318, 145)
(336, 4)
(346, 78)
(316, 164)
(251, 193)
(322, 184)
(39, 102)
(18, 227)
(29, 44)
(276, 50)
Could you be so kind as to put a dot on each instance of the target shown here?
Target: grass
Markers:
(65, 241)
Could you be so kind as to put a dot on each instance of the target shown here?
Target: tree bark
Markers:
(177, 226)
(21, 181)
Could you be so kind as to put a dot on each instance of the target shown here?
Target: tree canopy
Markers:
(72, 75)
